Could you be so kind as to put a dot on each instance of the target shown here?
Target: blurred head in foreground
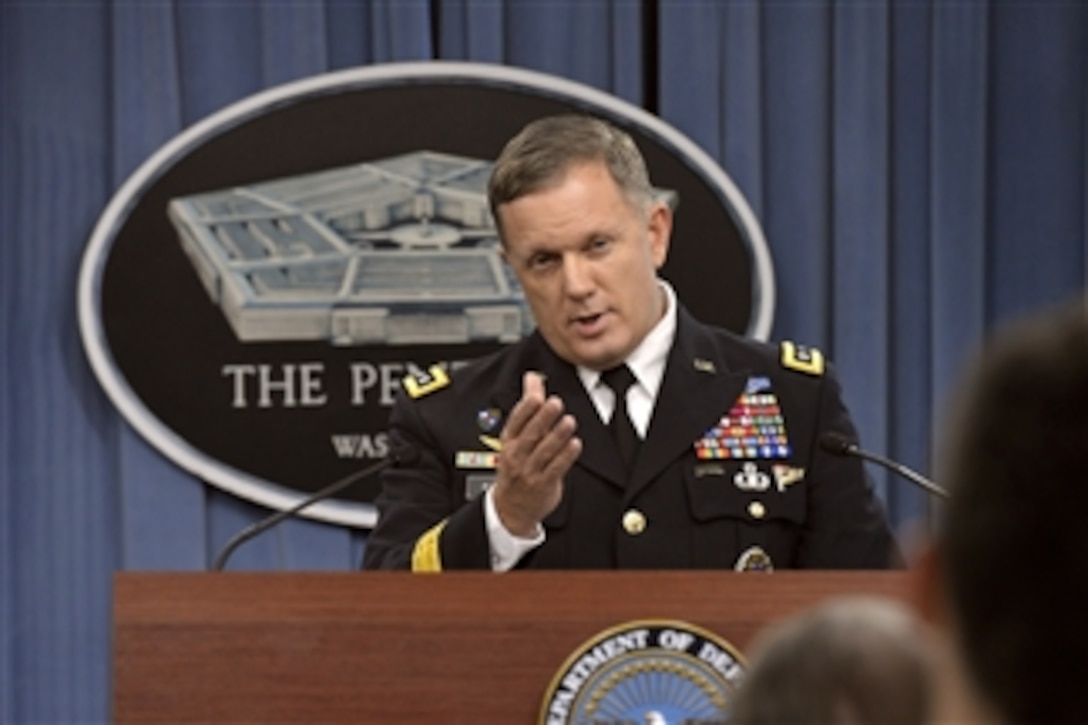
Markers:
(1005, 579)
(848, 661)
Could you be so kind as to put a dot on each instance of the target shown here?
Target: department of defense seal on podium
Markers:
(646, 672)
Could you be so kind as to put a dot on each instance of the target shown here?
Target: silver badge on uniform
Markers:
(751, 479)
(477, 483)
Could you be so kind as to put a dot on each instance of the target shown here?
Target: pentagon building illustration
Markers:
(399, 251)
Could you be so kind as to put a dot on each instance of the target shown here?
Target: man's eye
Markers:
(541, 261)
(600, 244)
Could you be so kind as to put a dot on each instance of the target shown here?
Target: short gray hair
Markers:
(547, 148)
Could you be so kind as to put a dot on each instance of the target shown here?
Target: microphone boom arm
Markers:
(840, 445)
(900, 469)
(333, 488)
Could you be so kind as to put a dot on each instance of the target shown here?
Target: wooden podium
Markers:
(393, 647)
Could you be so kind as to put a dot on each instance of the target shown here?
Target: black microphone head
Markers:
(836, 443)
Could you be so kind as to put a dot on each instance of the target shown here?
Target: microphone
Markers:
(840, 445)
(402, 454)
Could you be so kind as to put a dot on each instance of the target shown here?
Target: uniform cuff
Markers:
(506, 549)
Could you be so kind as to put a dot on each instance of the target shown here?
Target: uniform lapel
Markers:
(696, 391)
(599, 453)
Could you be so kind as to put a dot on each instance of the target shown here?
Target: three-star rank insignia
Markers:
(424, 383)
(802, 359)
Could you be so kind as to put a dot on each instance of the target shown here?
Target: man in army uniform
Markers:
(622, 433)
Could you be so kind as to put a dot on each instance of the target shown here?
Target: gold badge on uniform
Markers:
(491, 442)
(786, 476)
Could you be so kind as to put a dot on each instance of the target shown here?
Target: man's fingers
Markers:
(564, 458)
(532, 385)
(532, 456)
(551, 442)
(532, 398)
(533, 462)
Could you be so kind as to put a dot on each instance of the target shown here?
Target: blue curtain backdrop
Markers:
(918, 167)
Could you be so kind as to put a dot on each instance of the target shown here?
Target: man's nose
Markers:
(577, 277)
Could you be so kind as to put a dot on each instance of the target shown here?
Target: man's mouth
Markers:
(588, 323)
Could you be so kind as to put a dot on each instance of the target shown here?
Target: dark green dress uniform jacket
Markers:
(795, 506)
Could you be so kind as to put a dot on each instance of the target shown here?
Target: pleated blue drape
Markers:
(918, 167)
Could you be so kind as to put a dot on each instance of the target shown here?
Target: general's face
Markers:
(587, 259)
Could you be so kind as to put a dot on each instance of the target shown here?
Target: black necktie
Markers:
(619, 379)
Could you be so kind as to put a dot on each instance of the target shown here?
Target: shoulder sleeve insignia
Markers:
(803, 359)
(419, 384)
(426, 558)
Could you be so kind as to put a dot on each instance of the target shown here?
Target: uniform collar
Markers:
(647, 361)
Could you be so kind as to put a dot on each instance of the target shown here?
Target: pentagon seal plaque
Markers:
(646, 672)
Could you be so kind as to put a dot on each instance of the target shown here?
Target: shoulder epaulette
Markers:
(424, 383)
(803, 359)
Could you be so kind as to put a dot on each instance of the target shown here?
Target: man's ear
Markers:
(660, 232)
